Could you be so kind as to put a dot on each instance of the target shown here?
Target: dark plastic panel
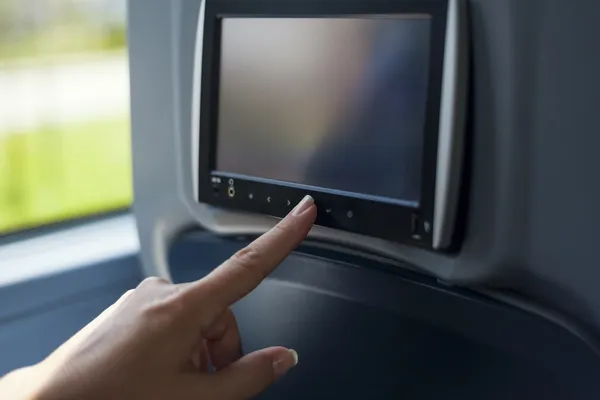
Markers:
(365, 330)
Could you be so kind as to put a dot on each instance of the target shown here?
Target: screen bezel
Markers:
(370, 216)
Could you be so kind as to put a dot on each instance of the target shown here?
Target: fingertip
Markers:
(285, 361)
(312, 211)
(304, 206)
(308, 217)
(253, 373)
(300, 220)
(294, 354)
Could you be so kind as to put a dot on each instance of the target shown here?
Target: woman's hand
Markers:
(160, 340)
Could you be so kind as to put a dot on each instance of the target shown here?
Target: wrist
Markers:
(21, 384)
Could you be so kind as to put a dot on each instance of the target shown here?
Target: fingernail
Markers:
(304, 205)
(286, 362)
(294, 354)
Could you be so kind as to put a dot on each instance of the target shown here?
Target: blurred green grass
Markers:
(63, 40)
(63, 172)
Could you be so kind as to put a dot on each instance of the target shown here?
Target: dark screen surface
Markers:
(335, 103)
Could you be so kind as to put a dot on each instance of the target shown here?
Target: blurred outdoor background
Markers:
(64, 111)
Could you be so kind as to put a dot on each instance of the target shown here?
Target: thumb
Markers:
(253, 373)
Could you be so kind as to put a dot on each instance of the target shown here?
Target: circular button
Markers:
(350, 214)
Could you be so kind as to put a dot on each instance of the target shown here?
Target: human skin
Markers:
(172, 341)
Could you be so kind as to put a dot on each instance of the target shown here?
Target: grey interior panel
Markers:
(532, 193)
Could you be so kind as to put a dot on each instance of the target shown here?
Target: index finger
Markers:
(247, 268)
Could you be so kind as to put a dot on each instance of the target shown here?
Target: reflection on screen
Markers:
(329, 102)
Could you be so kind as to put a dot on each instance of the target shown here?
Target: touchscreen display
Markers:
(333, 103)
